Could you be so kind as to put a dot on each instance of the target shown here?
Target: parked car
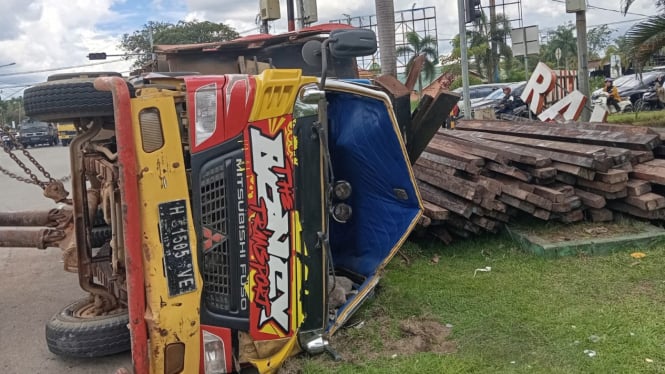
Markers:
(34, 133)
(494, 99)
(477, 93)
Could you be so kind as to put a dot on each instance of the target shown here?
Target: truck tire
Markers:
(68, 334)
(68, 99)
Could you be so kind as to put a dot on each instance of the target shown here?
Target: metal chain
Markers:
(33, 177)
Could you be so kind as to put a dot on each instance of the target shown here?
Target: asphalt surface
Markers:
(34, 286)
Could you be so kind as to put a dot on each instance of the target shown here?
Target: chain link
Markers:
(33, 178)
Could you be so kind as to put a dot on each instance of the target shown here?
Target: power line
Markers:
(606, 9)
(57, 69)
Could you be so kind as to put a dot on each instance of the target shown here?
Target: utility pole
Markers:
(461, 15)
(582, 61)
(494, 59)
(579, 8)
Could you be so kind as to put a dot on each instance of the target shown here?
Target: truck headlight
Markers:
(341, 212)
(213, 353)
(342, 190)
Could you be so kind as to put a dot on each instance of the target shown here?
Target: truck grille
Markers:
(216, 261)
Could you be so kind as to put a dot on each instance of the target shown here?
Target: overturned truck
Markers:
(222, 223)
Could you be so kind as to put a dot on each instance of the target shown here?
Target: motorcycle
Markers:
(624, 105)
(650, 100)
(7, 142)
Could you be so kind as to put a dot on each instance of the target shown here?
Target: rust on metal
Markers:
(31, 238)
(49, 218)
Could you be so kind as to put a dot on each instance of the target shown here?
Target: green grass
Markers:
(528, 315)
(653, 118)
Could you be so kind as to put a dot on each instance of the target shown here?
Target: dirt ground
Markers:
(368, 340)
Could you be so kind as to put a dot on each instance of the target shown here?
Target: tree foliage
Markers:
(646, 38)
(598, 39)
(479, 40)
(564, 38)
(416, 46)
(11, 111)
(183, 32)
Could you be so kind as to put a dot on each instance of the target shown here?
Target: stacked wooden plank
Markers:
(477, 177)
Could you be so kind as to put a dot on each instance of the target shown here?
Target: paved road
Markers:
(33, 285)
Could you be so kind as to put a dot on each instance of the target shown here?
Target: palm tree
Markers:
(646, 38)
(496, 31)
(563, 38)
(416, 46)
(385, 24)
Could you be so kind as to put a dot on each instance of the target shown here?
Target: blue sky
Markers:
(48, 34)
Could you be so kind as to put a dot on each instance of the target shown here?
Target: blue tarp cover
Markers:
(366, 151)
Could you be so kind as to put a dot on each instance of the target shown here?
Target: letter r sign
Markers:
(542, 81)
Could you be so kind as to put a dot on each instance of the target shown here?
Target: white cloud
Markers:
(44, 34)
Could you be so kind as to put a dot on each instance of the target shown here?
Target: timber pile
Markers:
(482, 174)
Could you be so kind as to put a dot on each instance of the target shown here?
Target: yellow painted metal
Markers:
(162, 179)
(276, 91)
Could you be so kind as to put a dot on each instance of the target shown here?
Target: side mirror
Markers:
(352, 42)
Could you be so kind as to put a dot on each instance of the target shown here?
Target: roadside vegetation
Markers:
(527, 315)
(650, 118)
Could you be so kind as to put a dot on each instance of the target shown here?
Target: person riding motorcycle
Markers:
(507, 102)
(613, 97)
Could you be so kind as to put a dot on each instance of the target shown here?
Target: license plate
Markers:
(34, 139)
(174, 234)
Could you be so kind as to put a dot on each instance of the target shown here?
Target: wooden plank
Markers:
(543, 173)
(470, 148)
(566, 178)
(602, 186)
(600, 215)
(572, 202)
(610, 138)
(647, 201)
(511, 152)
(543, 214)
(463, 224)
(607, 195)
(636, 187)
(588, 150)
(458, 186)
(440, 149)
(565, 189)
(445, 169)
(572, 216)
(627, 166)
(612, 176)
(453, 163)
(539, 201)
(424, 221)
(602, 126)
(435, 212)
(656, 163)
(503, 217)
(486, 223)
(591, 199)
(445, 199)
(423, 127)
(653, 174)
(509, 171)
(517, 203)
(621, 206)
(641, 156)
(549, 193)
(578, 171)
